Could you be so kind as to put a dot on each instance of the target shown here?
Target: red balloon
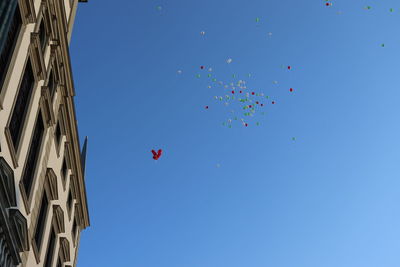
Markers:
(252, 93)
(273, 102)
(156, 155)
(257, 102)
(206, 107)
(240, 91)
(233, 92)
(249, 106)
(289, 67)
(291, 89)
(245, 124)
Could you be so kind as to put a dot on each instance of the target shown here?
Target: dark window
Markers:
(74, 228)
(42, 36)
(33, 155)
(21, 105)
(64, 169)
(51, 84)
(58, 132)
(50, 249)
(69, 200)
(41, 222)
(9, 45)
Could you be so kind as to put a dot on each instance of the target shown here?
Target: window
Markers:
(43, 36)
(33, 155)
(41, 221)
(74, 229)
(21, 105)
(69, 201)
(51, 84)
(9, 45)
(58, 133)
(50, 249)
(64, 169)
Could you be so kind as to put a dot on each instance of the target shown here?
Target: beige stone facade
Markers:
(43, 200)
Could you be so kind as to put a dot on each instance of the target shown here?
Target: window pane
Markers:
(41, 222)
(33, 155)
(8, 44)
(50, 249)
(22, 103)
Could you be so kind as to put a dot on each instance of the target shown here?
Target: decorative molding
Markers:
(7, 187)
(58, 219)
(27, 9)
(37, 56)
(64, 249)
(51, 184)
(11, 147)
(47, 107)
(19, 226)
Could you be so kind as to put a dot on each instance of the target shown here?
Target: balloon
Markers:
(257, 19)
(156, 155)
(291, 89)
(203, 33)
(229, 61)
(179, 72)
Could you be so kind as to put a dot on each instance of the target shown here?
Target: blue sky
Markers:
(240, 196)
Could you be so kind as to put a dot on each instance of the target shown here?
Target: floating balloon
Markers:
(156, 155)
(229, 61)
(202, 33)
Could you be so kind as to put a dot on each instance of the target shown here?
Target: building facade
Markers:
(43, 204)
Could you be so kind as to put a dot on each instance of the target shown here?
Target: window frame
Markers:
(37, 248)
(4, 79)
(27, 196)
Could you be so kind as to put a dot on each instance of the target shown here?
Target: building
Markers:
(43, 205)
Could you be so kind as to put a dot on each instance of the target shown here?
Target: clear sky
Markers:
(240, 196)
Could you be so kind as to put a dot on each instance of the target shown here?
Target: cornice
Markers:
(70, 120)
